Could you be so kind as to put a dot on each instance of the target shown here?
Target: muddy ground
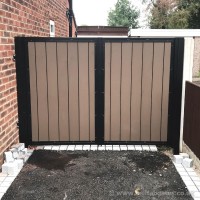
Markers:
(51, 175)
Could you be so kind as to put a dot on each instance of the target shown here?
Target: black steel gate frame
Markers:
(175, 89)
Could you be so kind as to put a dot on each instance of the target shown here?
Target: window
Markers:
(52, 28)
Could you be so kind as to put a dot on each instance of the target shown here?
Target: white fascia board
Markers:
(164, 33)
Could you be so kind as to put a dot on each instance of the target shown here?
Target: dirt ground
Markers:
(104, 175)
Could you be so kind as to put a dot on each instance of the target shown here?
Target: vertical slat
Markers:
(136, 91)
(42, 91)
(63, 91)
(52, 91)
(107, 90)
(146, 91)
(91, 92)
(125, 91)
(33, 91)
(73, 91)
(115, 91)
(83, 91)
(165, 95)
(157, 91)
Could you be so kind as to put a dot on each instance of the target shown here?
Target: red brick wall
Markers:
(27, 18)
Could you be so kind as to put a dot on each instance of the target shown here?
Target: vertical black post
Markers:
(175, 93)
(99, 91)
(23, 90)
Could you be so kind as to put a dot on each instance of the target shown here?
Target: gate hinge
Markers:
(14, 57)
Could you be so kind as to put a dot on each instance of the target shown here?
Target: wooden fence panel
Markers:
(191, 131)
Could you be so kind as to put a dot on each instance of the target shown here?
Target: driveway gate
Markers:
(99, 90)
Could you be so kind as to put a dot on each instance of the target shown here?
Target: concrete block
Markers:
(116, 149)
(196, 195)
(10, 168)
(197, 183)
(187, 162)
(183, 173)
(26, 158)
(15, 154)
(5, 184)
(153, 148)
(22, 146)
(10, 179)
(30, 150)
(24, 151)
(192, 188)
(93, 148)
(63, 147)
(79, 147)
(101, 148)
(123, 148)
(55, 148)
(145, 148)
(86, 147)
(178, 159)
(189, 183)
(184, 155)
(18, 146)
(39, 147)
(131, 147)
(186, 178)
(138, 147)
(20, 163)
(22, 157)
(8, 156)
(13, 168)
(3, 189)
(13, 149)
(71, 148)
(5, 168)
(195, 178)
(108, 148)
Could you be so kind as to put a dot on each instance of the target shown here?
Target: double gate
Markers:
(104, 91)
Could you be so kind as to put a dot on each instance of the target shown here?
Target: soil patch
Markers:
(98, 175)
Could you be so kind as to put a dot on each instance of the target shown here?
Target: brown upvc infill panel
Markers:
(136, 90)
(148, 51)
(63, 91)
(157, 78)
(33, 91)
(83, 57)
(108, 51)
(73, 69)
(52, 77)
(41, 66)
(91, 92)
(115, 87)
(125, 91)
(165, 92)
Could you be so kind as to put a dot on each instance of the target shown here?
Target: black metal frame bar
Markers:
(175, 88)
(175, 93)
(23, 90)
(99, 91)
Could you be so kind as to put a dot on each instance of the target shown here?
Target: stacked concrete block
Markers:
(183, 158)
(178, 159)
(187, 162)
(15, 158)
